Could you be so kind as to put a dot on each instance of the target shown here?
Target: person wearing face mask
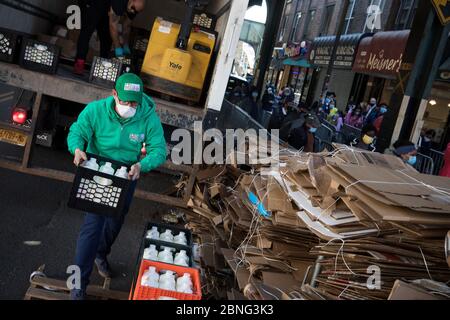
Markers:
(354, 118)
(105, 17)
(367, 140)
(249, 102)
(379, 120)
(406, 150)
(373, 112)
(116, 128)
(302, 132)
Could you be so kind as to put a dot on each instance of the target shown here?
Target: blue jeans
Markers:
(96, 237)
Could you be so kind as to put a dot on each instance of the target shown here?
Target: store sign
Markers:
(381, 54)
(442, 8)
(345, 52)
(344, 56)
(296, 50)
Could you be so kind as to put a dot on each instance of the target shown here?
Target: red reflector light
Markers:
(19, 116)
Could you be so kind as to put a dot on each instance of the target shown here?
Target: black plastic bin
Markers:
(9, 45)
(104, 72)
(89, 196)
(39, 56)
(175, 231)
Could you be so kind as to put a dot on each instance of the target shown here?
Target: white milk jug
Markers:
(167, 281)
(151, 253)
(150, 278)
(181, 259)
(166, 256)
(153, 233)
(122, 173)
(166, 236)
(180, 238)
(91, 164)
(184, 284)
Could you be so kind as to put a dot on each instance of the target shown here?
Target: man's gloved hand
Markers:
(126, 50)
(135, 171)
(79, 157)
(119, 52)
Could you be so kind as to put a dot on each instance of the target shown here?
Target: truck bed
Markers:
(67, 86)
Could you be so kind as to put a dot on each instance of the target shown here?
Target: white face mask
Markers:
(125, 111)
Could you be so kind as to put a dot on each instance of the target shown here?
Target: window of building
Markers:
(307, 34)
(296, 25)
(283, 29)
(406, 14)
(326, 20)
(349, 17)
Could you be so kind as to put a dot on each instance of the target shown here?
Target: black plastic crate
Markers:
(159, 247)
(140, 46)
(175, 231)
(127, 64)
(39, 56)
(204, 20)
(105, 72)
(89, 196)
(9, 45)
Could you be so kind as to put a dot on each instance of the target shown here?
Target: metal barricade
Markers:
(325, 133)
(320, 145)
(438, 160)
(349, 134)
(424, 164)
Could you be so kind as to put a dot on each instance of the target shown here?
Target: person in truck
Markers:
(114, 128)
(105, 17)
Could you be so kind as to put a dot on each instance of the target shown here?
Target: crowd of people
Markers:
(298, 123)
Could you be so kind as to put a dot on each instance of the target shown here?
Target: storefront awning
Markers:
(382, 54)
(303, 63)
(322, 48)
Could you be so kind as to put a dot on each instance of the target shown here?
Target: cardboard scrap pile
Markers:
(373, 224)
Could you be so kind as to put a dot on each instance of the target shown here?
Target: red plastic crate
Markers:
(149, 293)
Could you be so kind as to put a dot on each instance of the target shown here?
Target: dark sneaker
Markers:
(77, 294)
(103, 268)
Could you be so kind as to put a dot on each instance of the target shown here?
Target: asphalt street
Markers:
(37, 227)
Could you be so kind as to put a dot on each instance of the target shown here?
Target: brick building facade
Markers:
(307, 20)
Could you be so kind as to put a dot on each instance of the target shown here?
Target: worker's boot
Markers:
(78, 68)
(103, 268)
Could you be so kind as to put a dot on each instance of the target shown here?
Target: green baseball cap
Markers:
(130, 87)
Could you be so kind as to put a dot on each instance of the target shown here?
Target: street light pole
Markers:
(335, 46)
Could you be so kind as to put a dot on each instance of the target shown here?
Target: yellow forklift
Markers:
(178, 55)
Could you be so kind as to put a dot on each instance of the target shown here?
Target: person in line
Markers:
(445, 170)
(115, 128)
(249, 103)
(367, 139)
(426, 141)
(105, 17)
(407, 151)
(355, 117)
(379, 120)
(372, 113)
(268, 99)
(293, 114)
(302, 132)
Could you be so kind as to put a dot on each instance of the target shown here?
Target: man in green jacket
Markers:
(116, 128)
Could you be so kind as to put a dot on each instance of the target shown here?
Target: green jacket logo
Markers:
(134, 137)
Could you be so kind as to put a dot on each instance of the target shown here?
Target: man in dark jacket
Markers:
(302, 132)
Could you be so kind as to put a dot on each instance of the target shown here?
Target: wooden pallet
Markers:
(43, 288)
